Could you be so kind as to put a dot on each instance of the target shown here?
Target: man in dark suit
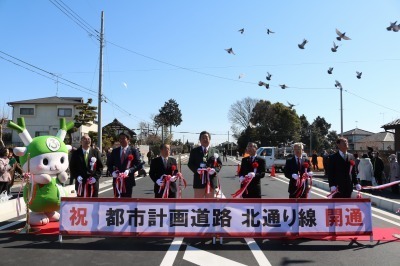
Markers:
(160, 166)
(120, 163)
(205, 157)
(86, 168)
(294, 169)
(341, 173)
(247, 166)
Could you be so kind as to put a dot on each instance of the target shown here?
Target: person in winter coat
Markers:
(394, 172)
(5, 168)
(365, 171)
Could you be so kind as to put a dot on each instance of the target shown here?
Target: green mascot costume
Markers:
(45, 160)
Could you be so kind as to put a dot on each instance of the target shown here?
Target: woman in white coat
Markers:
(365, 171)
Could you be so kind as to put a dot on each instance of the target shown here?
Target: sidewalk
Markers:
(383, 199)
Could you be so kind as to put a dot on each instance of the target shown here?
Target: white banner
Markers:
(215, 217)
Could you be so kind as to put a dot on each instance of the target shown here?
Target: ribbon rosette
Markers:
(130, 159)
(93, 163)
(165, 186)
(255, 166)
(245, 183)
(204, 174)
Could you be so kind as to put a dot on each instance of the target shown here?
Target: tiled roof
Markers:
(51, 100)
(392, 124)
(378, 137)
(357, 131)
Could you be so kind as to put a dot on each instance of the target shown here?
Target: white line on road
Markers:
(205, 258)
(257, 252)
(11, 224)
(172, 252)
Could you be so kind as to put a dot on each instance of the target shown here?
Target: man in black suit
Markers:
(86, 168)
(203, 158)
(248, 168)
(119, 160)
(160, 166)
(294, 169)
(341, 173)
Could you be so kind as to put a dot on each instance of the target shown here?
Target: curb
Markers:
(376, 201)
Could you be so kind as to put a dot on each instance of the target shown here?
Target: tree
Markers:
(275, 123)
(86, 116)
(3, 124)
(169, 115)
(240, 114)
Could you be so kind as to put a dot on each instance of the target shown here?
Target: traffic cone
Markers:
(238, 170)
(272, 171)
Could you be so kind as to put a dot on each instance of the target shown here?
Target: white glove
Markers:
(358, 187)
(251, 174)
(92, 180)
(211, 171)
(160, 181)
(333, 188)
(172, 179)
(79, 178)
(202, 165)
(241, 179)
(295, 176)
(126, 172)
(310, 174)
(114, 174)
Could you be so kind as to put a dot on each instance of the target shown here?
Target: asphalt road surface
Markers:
(28, 249)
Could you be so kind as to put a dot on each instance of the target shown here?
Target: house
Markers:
(394, 125)
(355, 135)
(42, 117)
(382, 141)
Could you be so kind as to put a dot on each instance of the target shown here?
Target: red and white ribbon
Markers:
(378, 187)
(180, 180)
(120, 184)
(303, 184)
(245, 183)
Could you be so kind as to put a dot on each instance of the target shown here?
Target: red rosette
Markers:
(130, 157)
(254, 165)
(173, 167)
(306, 165)
(352, 162)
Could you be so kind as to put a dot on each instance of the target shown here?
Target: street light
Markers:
(338, 85)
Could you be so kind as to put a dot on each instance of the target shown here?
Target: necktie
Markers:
(298, 163)
(86, 157)
(205, 150)
(165, 162)
(123, 156)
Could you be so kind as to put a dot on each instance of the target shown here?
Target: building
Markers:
(42, 117)
(394, 125)
(354, 136)
(382, 141)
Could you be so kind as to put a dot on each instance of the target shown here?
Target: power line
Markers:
(76, 18)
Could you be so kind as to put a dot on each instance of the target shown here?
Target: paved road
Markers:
(32, 249)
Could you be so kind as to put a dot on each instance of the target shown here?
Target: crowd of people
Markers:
(345, 171)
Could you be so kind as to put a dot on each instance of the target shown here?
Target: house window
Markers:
(41, 133)
(26, 111)
(64, 112)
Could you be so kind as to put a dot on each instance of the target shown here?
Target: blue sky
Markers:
(175, 49)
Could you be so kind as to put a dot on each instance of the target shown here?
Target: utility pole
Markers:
(99, 128)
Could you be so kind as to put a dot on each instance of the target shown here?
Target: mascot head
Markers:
(47, 154)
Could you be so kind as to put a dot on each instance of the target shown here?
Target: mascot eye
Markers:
(45, 161)
(62, 159)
